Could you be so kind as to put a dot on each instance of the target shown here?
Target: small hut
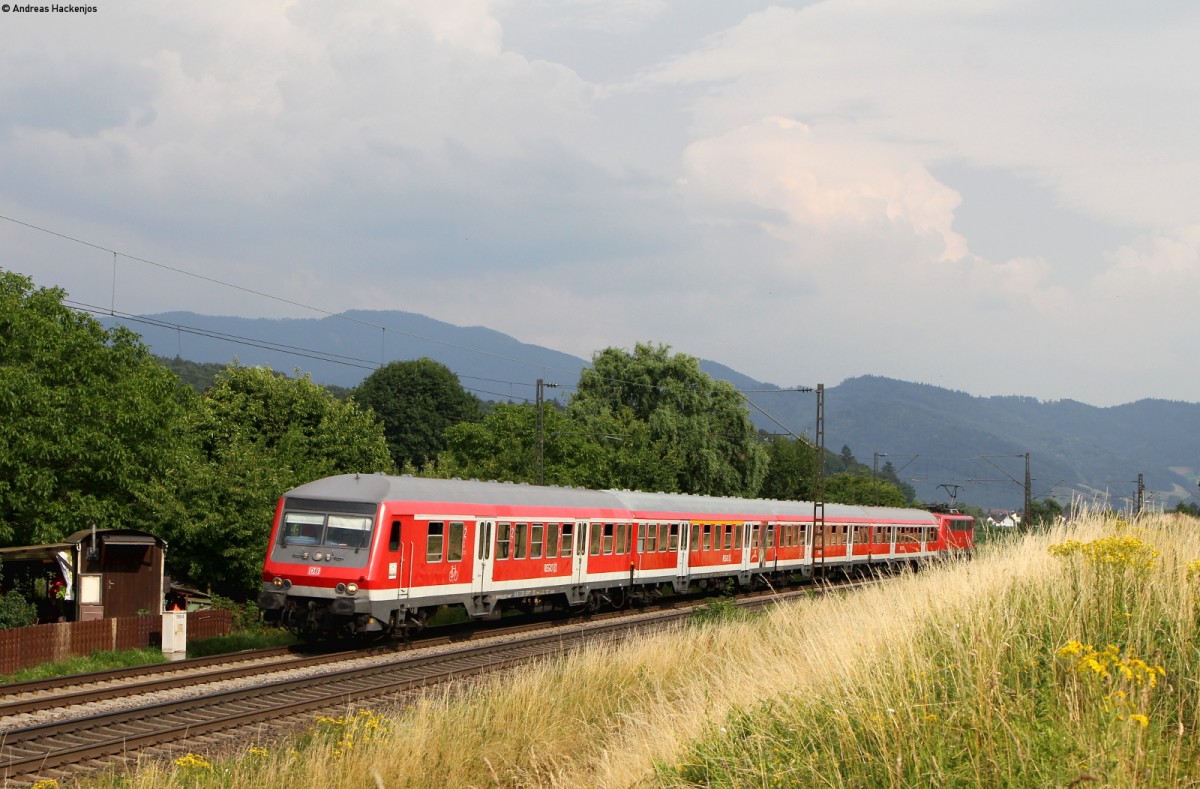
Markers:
(95, 574)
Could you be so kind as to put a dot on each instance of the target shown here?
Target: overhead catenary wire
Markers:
(309, 353)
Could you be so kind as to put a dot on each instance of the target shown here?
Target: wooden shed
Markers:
(95, 574)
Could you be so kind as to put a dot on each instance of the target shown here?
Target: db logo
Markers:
(314, 570)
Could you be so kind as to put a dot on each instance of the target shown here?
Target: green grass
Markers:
(97, 661)
(1080, 673)
(106, 661)
(238, 642)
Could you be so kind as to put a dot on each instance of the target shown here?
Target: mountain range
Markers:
(950, 446)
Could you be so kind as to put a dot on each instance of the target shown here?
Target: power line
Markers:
(309, 353)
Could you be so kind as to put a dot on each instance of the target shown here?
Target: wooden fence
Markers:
(23, 647)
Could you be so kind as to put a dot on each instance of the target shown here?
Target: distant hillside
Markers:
(932, 436)
(944, 437)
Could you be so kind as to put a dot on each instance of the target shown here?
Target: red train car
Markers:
(368, 553)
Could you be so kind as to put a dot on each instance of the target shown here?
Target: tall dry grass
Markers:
(960, 675)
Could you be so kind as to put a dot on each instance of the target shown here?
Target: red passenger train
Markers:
(369, 553)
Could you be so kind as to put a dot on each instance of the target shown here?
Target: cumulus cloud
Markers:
(824, 179)
(722, 176)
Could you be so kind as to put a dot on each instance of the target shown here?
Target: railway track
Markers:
(113, 739)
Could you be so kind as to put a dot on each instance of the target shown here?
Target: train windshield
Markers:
(332, 531)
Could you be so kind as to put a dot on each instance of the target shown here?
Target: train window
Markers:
(348, 531)
(673, 540)
(664, 532)
(433, 542)
(622, 538)
(594, 539)
(707, 537)
(503, 540)
(394, 537)
(608, 539)
(551, 540)
(568, 535)
(728, 536)
(520, 540)
(648, 538)
(535, 540)
(454, 546)
(770, 535)
(300, 528)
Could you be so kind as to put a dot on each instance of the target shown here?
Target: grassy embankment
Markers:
(248, 633)
(1026, 667)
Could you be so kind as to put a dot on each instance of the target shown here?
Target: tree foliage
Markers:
(611, 452)
(15, 610)
(850, 488)
(685, 422)
(91, 427)
(1042, 512)
(259, 434)
(792, 464)
(417, 401)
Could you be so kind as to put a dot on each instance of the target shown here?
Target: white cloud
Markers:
(824, 179)
(765, 195)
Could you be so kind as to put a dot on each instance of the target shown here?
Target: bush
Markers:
(16, 611)
(247, 617)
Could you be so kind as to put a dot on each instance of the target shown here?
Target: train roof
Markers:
(380, 487)
(377, 488)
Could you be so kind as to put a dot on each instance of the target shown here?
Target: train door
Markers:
(578, 530)
(395, 559)
(484, 557)
(747, 529)
(679, 544)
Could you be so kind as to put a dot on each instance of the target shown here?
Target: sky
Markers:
(995, 197)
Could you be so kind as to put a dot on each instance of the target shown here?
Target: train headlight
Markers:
(277, 582)
(287, 583)
(352, 588)
(318, 556)
(340, 588)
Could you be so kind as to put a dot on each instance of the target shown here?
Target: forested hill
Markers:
(979, 442)
(932, 436)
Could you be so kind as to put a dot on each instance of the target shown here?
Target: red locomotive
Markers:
(370, 553)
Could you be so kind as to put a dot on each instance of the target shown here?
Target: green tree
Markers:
(258, 435)
(92, 428)
(790, 470)
(15, 610)
(888, 474)
(417, 401)
(1188, 508)
(850, 488)
(681, 418)
(608, 451)
(1042, 512)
